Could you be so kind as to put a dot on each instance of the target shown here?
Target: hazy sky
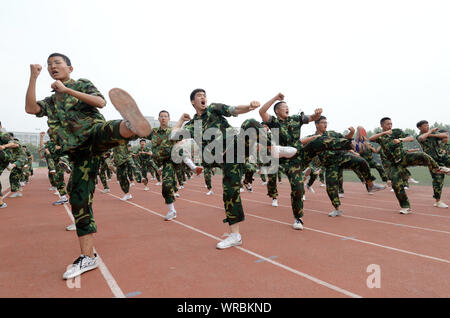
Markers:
(358, 60)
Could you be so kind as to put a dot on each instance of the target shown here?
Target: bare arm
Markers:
(263, 110)
(376, 136)
(246, 108)
(306, 140)
(31, 106)
(350, 133)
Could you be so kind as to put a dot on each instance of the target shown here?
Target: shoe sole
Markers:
(81, 272)
(222, 248)
(129, 110)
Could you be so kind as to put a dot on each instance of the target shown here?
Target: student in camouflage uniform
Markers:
(434, 143)
(366, 150)
(212, 119)
(58, 177)
(207, 174)
(124, 163)
(144, 155)
(335, 161)
(84, 135)
(7, 143)
(105, 164)
(391, 141)
(18, 161)
(288, 130)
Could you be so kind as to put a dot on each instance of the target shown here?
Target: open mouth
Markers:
(203, 102)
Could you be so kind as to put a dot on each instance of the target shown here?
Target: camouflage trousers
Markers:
(123, 174)
(398, 173)
(86, 164)
(103, 173)
(249, 171)
(150, 166)
(207, 174)
(272, 190)
(58, 177)
(375, 165)
(333, 172)
(179, 172)
(438, 179)
(169, 182)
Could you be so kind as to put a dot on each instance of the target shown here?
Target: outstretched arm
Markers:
(246, 108)
(263, 110)
(31, 106)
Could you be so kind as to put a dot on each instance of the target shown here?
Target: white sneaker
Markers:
(17, 194)
(158, 183)
(4, 205)
(323, 185)
(341, 195)
(440, 204)
(146, 188)
(283, 151)
(82, 264)
(52, 189)
(241, 190)
(176, 195)
(298, 224)
(210, 192)
(274, 202)
(392, 190)
(405, 211)
(264, 183)
(310, 189)
(71, 227)
(171, 215)
(132, 184)
(335, 213)
(304, 198)
(181, 187)
(106, 191)
(413, 181)
(406, 188)
(126, 197)
(248, 186)
(231, 240)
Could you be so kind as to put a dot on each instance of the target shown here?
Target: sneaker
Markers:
(176, 195)
(274, 202)
(376, 187)
(198, 170)
(443, 170)
(440, 204)
(52, 189)
(304, 198)
(210, 192)
(241, 190)
(335, 213)
(231, 240)
(52, 171)
(17, 194)
(283, 151)
(4, 205)
(129, 110)
(65, 166)
(310, 189)
(298, 224)
(146, 188)
(171, 215)
(61, 201)
(126, 197)
(107, 190)
(406, 188)
(413, 181)
(341, 195)
(323, 185)
(181, 187)
(405, 211)
(248, 187)
(264, 183)
(392, 190)
(132, 184)
(82, 264)
(71, 227)
(158, 183)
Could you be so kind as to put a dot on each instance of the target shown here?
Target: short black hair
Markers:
(164, 111)
(420, 123)
(142, 140)
(320, 118)
(384, 119)
(277, 105)
(65, 58)
(195, 91)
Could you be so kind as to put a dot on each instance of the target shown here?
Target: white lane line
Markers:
(115, 289)
(294, 271)
(328, 233)
(349, 216)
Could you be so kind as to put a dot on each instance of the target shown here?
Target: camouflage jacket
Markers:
(120, 154)
(393, 152)
(161, 144)
(288, 130)
(434, 147)
(70, 119)
(144, 159)
(6, 154)
(213, 119)
(328, 158)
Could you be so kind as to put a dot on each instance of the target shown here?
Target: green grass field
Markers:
(420, 174)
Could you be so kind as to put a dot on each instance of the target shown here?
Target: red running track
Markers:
(145, 256)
